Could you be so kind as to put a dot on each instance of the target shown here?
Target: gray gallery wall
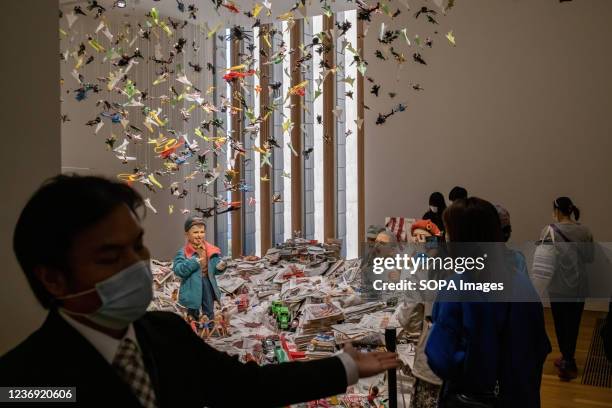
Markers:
(31, 132)
(518, 112)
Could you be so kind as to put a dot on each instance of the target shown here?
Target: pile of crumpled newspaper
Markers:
(300, 301)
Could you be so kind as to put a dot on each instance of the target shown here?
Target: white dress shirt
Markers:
(106, 345)
(350, 367)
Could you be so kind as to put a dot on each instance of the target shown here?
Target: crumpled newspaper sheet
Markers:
(326, 304)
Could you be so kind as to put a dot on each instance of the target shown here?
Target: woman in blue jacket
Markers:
(488, 350)
(197, 264)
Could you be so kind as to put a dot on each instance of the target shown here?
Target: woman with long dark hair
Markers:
(488, 350)
(567, 287)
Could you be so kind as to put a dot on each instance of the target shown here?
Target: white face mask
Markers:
(125, 297)
(433, 209)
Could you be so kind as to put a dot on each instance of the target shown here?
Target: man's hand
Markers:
(370, 364)
(201, 251)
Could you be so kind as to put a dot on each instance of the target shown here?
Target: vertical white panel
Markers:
(352, 179)
(287, 135)
(317, 27)
(228, 127)
(257, 141)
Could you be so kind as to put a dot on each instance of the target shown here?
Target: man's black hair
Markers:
(63, 207)
(458, 193)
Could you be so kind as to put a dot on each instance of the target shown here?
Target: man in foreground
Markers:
(92, 273)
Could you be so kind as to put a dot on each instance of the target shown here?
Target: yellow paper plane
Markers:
(451, 38)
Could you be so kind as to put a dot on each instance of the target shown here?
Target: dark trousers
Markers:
(567, 316)
(208, 301)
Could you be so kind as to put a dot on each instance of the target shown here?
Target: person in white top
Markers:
(568, 285)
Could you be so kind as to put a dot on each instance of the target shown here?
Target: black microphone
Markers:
(390, 342)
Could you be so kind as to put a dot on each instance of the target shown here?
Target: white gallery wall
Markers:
(519, 112)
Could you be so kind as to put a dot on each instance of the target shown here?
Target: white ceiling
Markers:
(207, 12)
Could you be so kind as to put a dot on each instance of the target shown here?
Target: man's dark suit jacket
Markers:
(184, 370)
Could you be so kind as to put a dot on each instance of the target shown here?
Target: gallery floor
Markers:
(557, 394)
